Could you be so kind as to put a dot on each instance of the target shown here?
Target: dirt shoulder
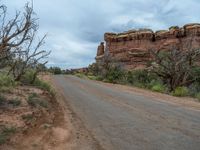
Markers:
(29, 125)
(187, 102)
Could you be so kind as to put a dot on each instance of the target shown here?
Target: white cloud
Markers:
(75, 27)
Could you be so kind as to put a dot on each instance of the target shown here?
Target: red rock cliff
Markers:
(131, 48)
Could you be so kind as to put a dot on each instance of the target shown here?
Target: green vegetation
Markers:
(6, 82)
(5, 134)
(14, 102)
(55, 70)
(148, 79)
(2, 100)
(44, 86)
(80, 75)
(158, 88)
(29, 77)
(181, 91)
(198, 96)
(34, 100)
(28, 117)
(114, 75)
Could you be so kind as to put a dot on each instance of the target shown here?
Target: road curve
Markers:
(120, 120)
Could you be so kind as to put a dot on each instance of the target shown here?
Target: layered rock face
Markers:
(131, 49)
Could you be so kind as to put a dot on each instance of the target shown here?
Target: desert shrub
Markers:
(94, 69)
(181, 91)
(141, 78)
(27, 117)
(198, 96)
(44, 86)
(80, 75)
(195, 75)
(14, 102)
(55, 70)
(194, 89)
(28, 77)
(34, 100)
(158, 88)
(2, 100)
(5, 134)
(91, 77)
(130, 77)
(43, 103)
(114, 74)
(6, 81)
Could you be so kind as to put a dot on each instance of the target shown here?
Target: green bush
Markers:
(44, 86)
(196, 75)
(14, 102)
(198, 96)
(5, 134)
(6, 81)
(181, 92)
(27, 78)
(130, 77)
(114, 75)
(2, 100)
(158, 88)
(55, 70)
(141, 78)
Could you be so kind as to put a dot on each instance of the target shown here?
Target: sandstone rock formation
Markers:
(131, 48)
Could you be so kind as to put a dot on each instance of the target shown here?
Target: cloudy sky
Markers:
(76, 27)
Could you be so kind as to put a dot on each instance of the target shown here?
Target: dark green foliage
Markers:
(55, 70)
(94, 69)
(114, 74)
(2, 100)
(198, 96)
(141, 78)
(195, 75)
(6, 81)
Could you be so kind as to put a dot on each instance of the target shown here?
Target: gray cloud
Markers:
(75, 27)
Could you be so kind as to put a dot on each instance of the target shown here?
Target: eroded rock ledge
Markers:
(131, 48)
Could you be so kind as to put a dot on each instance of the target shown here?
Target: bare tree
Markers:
(175, 66)
(18, 43)
(14, 32)
(29, 57)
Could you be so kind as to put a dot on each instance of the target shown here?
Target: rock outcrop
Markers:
(131, 49)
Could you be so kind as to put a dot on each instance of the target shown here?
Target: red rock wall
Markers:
(131, 49)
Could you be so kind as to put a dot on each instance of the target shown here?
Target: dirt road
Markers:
(122, 120)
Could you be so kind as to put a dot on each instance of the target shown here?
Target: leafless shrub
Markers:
(175, 65)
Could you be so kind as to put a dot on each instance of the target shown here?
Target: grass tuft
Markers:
(34, 100)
